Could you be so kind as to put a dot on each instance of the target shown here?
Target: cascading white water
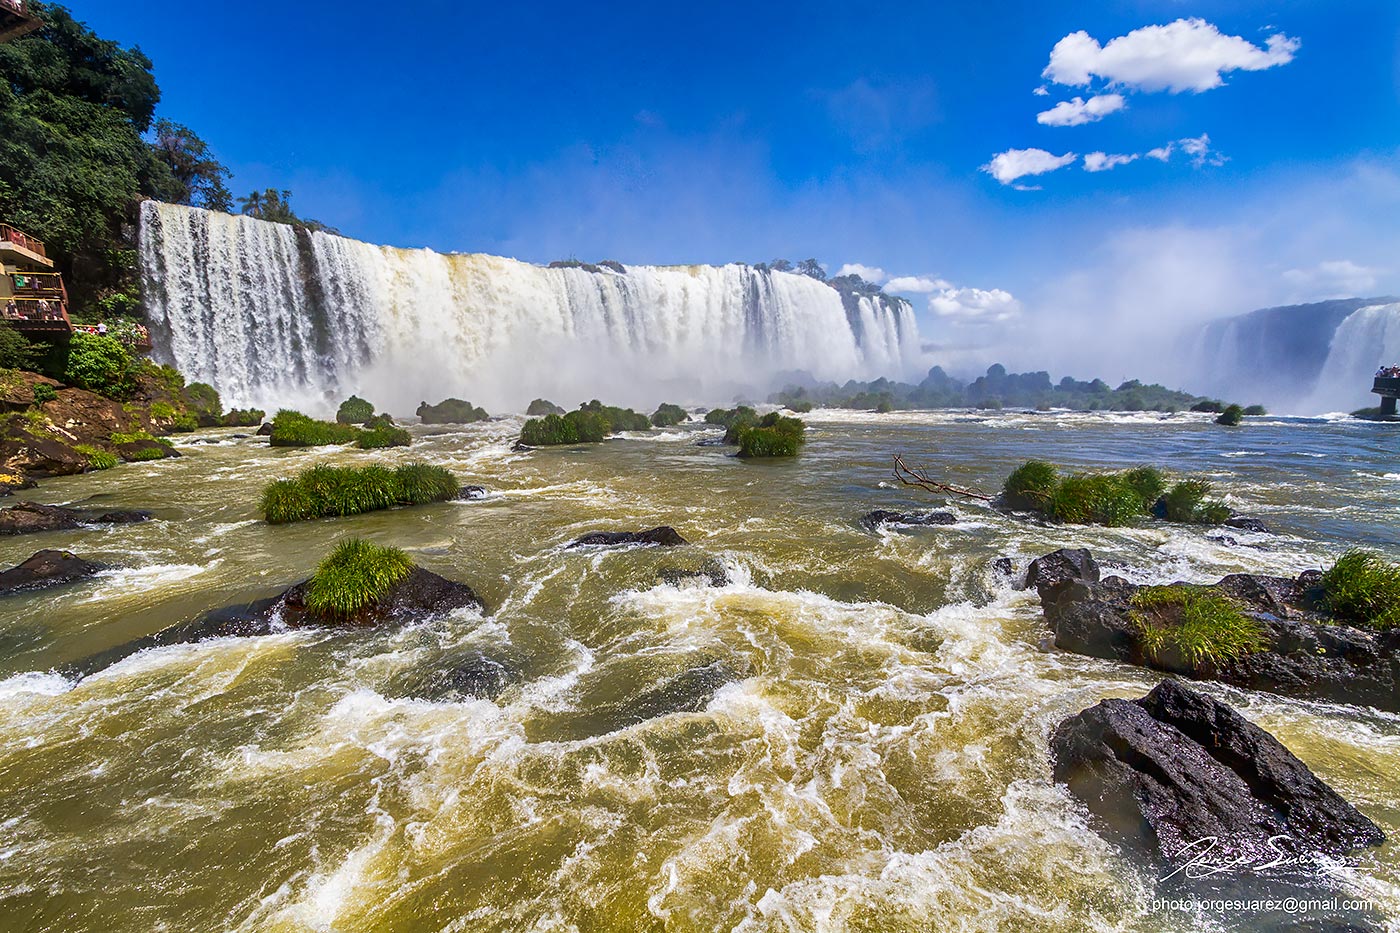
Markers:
(273, 316)
(1368, 339)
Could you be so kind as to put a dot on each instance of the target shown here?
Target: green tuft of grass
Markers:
(244, 418)
(420, 483)
(1095, 499)
(293, 429)
(667, 415)
(383, 435)
(1186, 502)
(774, 435)
(1031, 485)
(354, 577)
(1231, 416)
(1148, 482)
(146, 453)
(324, 491)
(1204, 629)
(354, 410)
(1363, 588)
(97, 459)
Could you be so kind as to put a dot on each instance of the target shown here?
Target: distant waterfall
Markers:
(1367, 340)
(272, 315)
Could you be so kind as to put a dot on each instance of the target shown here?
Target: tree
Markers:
(780, 265)
(275, 206)
(812, 268)
(198, 176)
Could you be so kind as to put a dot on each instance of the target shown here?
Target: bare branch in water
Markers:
(919, 477)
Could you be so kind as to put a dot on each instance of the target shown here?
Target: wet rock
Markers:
(142, 450)
(476, 676)
(689, 691)
(46, 568)
(1306, 655)
(1004, 566)
(10, 483)
(472, 493)
(521, 448)
(1059, 567)
(27, 454)
(873, 520)
(663, 536)
(1175, 767)
(265, 430)
(711, 573)
(32, 517)
(1244, 523)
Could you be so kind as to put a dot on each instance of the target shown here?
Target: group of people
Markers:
(1388, 372)
(43, 310)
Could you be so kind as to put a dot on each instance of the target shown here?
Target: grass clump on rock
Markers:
(1112, 499)
(668, 415)
(451, 411)
(244, 418)
(1186, 502)
(293, 429)
(323, 491)
(355, 576)
(728, 417)
(1095, 499)
(591, 423)
(97, 459)
(1030, 486)
(1201, 629)
(1363, 588)
(1231, 416)
(354, 410)
(384, 435)
(773, 436)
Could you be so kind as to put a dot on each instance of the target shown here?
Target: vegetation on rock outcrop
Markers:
(1111, 499)
(590, 424)
(451, 411)
(355, 576)
(324, 491)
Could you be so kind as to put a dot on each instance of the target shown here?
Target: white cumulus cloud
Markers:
(1103, 162)
(1012, 164)
(1079, 111)
(975, 305)
(1335, 278)
(916, 284)
(871, 274)
(1186, 55)
(1198, 148)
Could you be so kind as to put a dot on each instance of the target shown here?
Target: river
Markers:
(875, 758)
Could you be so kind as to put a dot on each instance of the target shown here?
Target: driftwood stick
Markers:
(919, 477)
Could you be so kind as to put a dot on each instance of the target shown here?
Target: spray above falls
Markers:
(273, 315)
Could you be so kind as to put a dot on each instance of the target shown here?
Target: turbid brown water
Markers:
(849, 735)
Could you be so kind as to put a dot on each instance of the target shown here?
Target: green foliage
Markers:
(541, 407)
(1147, 482)
(145, 453)
(885, 405)
(293, 429)
(1209, 406)
(1031, 485)
(668, 415)
(354, 410)
(451, 411)
(1363, 588)
(773, 436)
(1186, 502)
(43, 392)
(1095, 499)
(327, 491)
(97, 459)
(381, 420)
(727, 417)
(244, 418)
(16, 352)
(1231, 416)
(384, 436)
(162, 411)
(619, 419)
(204, 399)
(119, 438)
(354, 577)
(275, 206)
(1256, 410)
(100, 364)
(1203, 629)
(577, 427)
(801, 406)
(195, 176)
(184, 423)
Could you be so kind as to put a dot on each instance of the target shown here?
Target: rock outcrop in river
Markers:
(1180, 776)
(1304, 652)
(31, 517)
(46, 568)
(663, 536)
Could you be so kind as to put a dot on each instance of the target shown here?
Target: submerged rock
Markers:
(472, 493)
(712, 573)
(46, 568)
(32, 517)
(663, 536)
(1305, 655)
(873, 520)
(1173, 768)
(1244, 523)
(476, 676)
(688, 691)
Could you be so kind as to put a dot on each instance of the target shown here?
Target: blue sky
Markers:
(855, 133)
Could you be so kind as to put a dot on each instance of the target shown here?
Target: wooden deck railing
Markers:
(18, 237)
(16, 6)
(35, 310)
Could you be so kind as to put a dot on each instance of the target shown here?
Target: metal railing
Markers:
(35, 310)
(39, 284)
(17, 237)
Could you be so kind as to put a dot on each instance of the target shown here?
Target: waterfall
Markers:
(272, 316)
(1368, 339)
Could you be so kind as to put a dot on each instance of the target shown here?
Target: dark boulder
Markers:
(265, 430)
(873, 520)
(663, 536)
(711, 573)
(1060, 567)
(1176, 767)
(46, 568)
(688, 691)
(475, 676)
(472, 493)
(1004, 566)
(1247, 524)
(31, 517)
(11, 483)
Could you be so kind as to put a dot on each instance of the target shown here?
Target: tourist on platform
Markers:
(44, 312)
(102, 329)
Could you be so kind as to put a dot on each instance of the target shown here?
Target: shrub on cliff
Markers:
(43, 392)
(451, 411)
(293, 429)
(668, 415)
(1363, 588)
(773, 436)
(1231, 416)
(16, 352)
(541, 407)
(323, 491)
(203, 399)
(354, 577)
(354, 410)
(99, 364)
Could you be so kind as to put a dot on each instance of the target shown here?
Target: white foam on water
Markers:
(34, 683)
(124, 582)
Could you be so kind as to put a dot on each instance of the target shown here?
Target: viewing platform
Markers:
(1388, 388)
(16, 20)
(33, 299)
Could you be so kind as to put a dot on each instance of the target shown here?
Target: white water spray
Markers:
(1368, 339)
(273, 316)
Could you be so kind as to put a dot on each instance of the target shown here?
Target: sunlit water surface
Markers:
(877, 760)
